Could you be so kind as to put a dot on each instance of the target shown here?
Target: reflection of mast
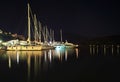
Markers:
(76, 52)
(112, 49)
(66, 53)
(17, 57)
(35, 67)
(50, 55)
(39, 62)
(61, 54)
(58, 53)
(104, 49)
(28, 62)
(90, 49)
(93, 49)
(45, 53)
(118, 49)
(9, 61)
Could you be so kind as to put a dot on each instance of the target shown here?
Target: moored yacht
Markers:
(70, 45)
(62, 44)
(23, 45)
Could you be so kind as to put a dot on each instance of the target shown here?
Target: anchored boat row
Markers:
(37, 47)
(36, 44)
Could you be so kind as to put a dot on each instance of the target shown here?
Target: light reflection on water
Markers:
(38, 61)
(61, 64)
(104, 49)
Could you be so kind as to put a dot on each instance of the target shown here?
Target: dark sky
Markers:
(79, 17)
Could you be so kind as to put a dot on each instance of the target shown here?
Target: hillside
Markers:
(6, 37)
(115, 39)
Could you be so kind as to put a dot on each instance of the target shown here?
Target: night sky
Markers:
(89, 18)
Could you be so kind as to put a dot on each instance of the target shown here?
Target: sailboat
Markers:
(45, 45)
(59, 44)
(64, 44)
(69, 45)
(29, 45)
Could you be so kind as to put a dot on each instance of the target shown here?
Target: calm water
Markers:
(96, 63)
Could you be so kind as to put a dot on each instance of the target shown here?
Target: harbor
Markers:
(59, 41)
(38, 37)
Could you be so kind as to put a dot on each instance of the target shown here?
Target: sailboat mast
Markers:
(35, 29)
(29, 41)
(40, 30)
(61, 34)
(53, 35)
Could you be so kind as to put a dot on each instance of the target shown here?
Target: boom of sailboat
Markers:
(36, 44)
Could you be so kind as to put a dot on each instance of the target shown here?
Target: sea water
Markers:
(91, 63)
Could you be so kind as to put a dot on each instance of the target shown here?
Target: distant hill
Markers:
(74, 38)
(6, 37)
(115, 39)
